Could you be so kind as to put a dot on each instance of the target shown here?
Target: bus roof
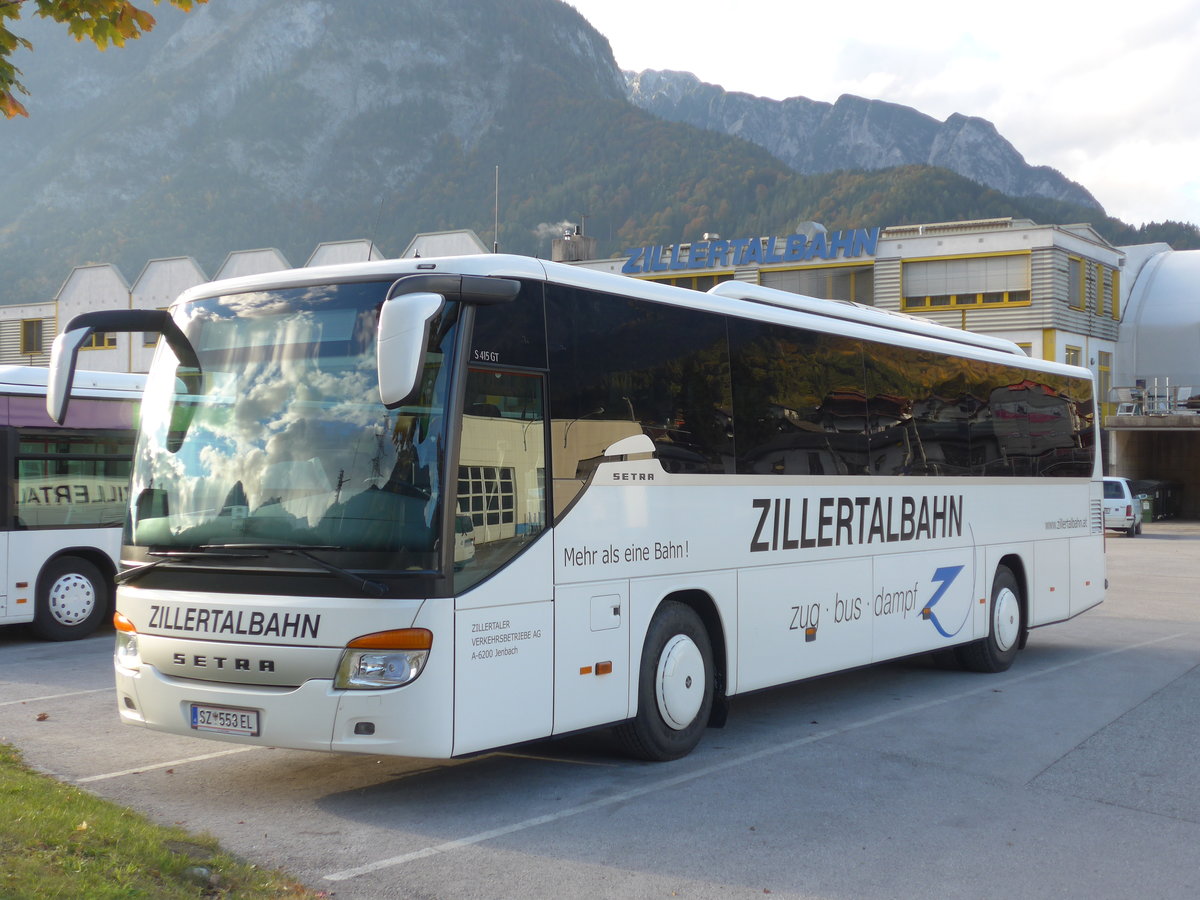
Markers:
(32, 380)
(849, 311)
(733, 297)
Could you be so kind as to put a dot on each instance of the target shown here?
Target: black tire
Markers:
(1135, 529)
(996, 652)
(71, 600)
(675, 687)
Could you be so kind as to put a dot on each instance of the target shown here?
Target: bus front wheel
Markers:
(71, 600)
(675, 687)
(996, 652)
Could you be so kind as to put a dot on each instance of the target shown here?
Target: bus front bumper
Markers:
(413, 720)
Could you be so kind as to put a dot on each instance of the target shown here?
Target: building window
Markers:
(1073, 356)
(856, 283)
(982, 282)
(1104, 379)
(150, 338)
(100, 340)
(1075, 285)
(31, 336)
(1114, 294)
(988, 300)
(488, 495)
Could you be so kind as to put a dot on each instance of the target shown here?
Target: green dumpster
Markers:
(1147, 507)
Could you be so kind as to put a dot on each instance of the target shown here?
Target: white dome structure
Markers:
(1160, 325)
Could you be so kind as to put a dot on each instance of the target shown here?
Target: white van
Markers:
(1122, 512)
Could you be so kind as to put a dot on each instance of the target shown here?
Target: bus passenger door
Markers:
(504, 656)
(503, 578)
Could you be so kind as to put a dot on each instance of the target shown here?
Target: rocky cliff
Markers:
(813, 137)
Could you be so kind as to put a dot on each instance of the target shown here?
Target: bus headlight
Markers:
(126, 652)
(386, 659)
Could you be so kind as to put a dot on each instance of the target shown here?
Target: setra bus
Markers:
(64, 499)
(432, 507)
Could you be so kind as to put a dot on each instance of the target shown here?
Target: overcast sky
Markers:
(1105, 92)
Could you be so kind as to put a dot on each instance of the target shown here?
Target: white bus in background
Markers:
(65, 495)
(432, 507)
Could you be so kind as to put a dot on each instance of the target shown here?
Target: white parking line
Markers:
(693, 775)
(55, 696)
(165, 765)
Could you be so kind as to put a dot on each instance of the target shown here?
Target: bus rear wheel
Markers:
(996, 652)
(675, 687)
(71, 599)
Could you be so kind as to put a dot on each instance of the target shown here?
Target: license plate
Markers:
(225, 719)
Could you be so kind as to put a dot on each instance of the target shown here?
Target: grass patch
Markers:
(59, 841)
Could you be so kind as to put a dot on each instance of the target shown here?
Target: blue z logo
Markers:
(943, 577)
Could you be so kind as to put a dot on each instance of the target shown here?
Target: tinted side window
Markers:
(932, 414)
(67, 478)
(921, 406)
(1041, 424)
(806, 402)
(511, 334)
(623, 366)
(801, 407)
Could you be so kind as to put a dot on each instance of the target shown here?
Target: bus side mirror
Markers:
(65, 351)
(63, 356)
(402, 338)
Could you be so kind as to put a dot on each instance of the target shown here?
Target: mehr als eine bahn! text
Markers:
(433, 507)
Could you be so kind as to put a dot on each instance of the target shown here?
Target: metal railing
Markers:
(1155, 397)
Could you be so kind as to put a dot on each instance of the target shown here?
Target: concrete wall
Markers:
(333, 253)
(251, 262)
(92, 288)
(161, 281)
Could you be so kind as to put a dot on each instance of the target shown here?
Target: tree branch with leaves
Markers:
(104, 22)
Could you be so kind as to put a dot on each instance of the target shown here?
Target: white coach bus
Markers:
(64, 499)
(431, 507)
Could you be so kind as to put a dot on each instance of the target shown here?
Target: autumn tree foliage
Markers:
(104, 22)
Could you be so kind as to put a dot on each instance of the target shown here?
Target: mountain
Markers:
(812, 137)
(285, 123)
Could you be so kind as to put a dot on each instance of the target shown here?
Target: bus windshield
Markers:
(281, 438)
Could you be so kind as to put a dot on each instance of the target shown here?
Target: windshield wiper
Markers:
(169, 555)
(255, 551)
(366, 585)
